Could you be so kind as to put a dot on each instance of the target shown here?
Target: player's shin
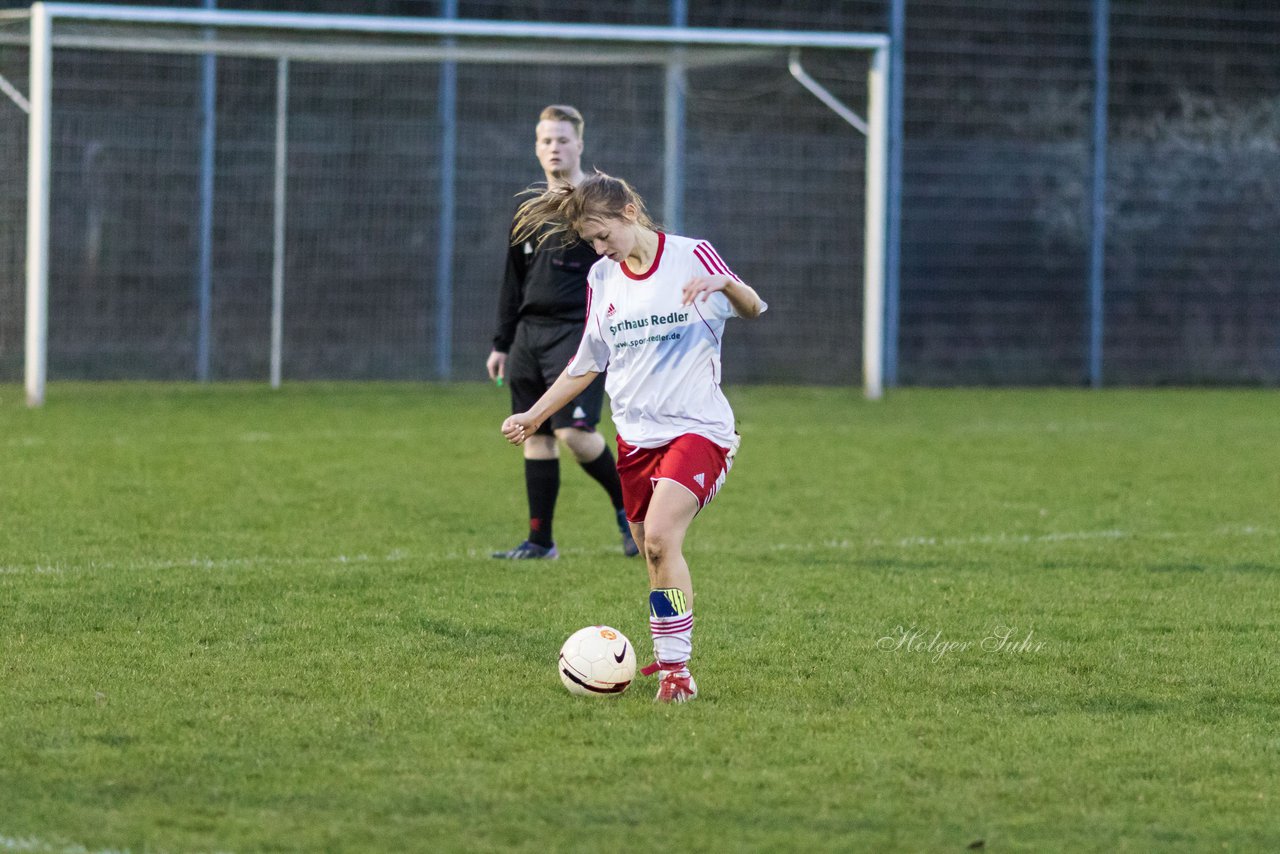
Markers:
(671, 624)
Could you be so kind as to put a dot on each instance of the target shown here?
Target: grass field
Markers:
(239, 620)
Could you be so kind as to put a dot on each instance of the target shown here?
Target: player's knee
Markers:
(658, 546)
(585, 445)
(539, 447)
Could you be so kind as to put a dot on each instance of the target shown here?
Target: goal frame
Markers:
(672, 48)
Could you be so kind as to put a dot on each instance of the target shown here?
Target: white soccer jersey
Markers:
(663, 358)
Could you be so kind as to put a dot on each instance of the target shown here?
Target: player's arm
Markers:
(509, 299)
(522, 425)
(744, 299)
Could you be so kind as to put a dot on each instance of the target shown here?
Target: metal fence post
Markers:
(204, 264)
(674, 128)
(278, 224)
(448, 206)
(1098, 191)
(893, 216)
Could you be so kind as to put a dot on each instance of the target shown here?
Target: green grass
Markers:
(239, 620)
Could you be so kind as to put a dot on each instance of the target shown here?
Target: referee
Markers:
(540, 317)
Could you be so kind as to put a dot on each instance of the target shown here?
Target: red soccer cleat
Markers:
(676, 685)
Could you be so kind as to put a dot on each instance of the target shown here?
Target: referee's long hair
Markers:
(560, 210)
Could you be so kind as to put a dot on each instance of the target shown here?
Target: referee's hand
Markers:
(496, 364)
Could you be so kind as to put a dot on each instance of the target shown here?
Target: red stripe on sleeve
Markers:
(715, 256)
(707, 263)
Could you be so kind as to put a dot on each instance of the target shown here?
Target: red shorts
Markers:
(695, 462)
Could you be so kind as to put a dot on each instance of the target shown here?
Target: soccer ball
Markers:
(597, 660)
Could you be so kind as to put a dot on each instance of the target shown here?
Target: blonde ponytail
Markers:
(561, 210)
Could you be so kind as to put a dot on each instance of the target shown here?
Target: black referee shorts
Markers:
(541, 351)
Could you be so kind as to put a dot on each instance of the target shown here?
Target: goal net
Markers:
(247, 195)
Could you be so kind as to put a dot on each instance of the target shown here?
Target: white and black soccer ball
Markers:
(597, 660)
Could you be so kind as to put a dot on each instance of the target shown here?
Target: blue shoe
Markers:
(629, 547)
(529, 551)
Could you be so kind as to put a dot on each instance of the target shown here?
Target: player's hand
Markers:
(704, 287)
(496, 365)
(519, 427)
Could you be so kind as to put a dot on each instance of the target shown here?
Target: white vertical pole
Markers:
(38, 170)
(277, 263)
(873, 271)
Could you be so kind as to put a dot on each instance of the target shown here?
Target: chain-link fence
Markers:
(995, 201)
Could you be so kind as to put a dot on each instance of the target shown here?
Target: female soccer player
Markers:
(656, 308)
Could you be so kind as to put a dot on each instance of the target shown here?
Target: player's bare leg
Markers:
(671, 511)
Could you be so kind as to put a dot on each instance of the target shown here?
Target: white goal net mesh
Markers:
(771, 176)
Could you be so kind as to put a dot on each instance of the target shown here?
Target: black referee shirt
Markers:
(547, 282)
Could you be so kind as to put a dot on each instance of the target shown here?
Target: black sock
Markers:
(542, 482)
(605, 471)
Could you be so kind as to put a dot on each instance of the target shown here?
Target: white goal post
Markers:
(45, 28)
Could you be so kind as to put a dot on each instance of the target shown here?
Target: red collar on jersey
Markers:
(657, 257)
